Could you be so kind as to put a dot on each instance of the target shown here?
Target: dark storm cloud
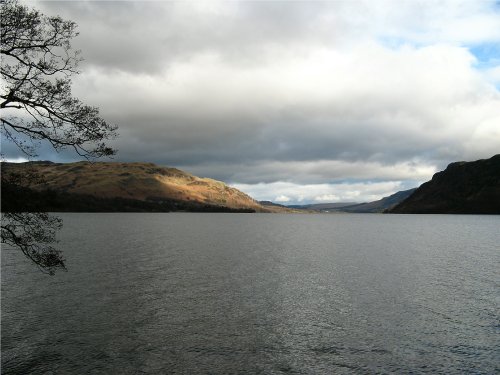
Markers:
(115, 35)
(148, 36)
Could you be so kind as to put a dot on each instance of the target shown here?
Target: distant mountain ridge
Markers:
(322, 206)
(132, 186)
(378, 206)
(462, 188)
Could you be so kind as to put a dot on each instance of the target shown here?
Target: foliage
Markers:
(32, 233)
(37, 63)
(37, 105)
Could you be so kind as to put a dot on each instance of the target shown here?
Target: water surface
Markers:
(258, 293)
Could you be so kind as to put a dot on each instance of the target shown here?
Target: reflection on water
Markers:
(256, 293)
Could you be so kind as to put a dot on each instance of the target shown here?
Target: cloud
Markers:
(282, 199)
(146, 36)
(317, 171)
(16, 160)
(493, 74)
(366, 103)
(321, 193)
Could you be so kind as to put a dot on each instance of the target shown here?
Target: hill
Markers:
(462, 188)
(322, 206)
(380, 205)
(111, 186)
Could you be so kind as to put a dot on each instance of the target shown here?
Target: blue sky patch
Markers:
(487, 54)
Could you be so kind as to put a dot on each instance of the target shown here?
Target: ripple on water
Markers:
(269, 294)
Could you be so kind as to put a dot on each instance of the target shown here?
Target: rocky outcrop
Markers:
(462, 188)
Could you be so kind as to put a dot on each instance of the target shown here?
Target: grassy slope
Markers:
(133, 181)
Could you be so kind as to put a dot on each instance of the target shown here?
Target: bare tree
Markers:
(33, 233)
(37, 63)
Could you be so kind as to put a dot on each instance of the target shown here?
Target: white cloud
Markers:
(493, 74)
(307, 193)
(282, 198)
(327, 198)
(16, 160)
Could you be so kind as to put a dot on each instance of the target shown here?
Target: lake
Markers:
(209, 293)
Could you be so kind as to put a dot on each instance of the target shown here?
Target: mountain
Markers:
(271, 204)
(350, 207)
(111, 186)
(381, 205)
(279, 208)
(323, 206)
(462, 188)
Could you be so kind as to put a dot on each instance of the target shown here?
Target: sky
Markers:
(293, 102)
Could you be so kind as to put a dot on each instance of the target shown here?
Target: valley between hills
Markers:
(462, 188)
